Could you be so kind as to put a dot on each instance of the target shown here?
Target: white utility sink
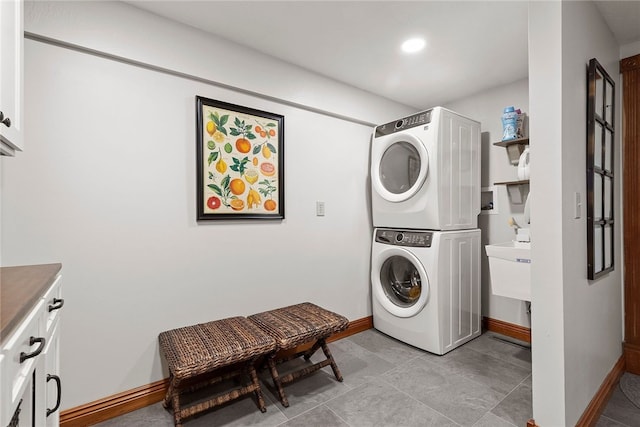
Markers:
(510, 269)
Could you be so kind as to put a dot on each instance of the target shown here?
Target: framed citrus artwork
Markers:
(240, 162)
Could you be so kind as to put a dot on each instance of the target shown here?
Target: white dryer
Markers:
(425, 172)
(426, 286)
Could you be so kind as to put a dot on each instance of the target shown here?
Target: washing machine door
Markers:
(400, 282)
(399, 166)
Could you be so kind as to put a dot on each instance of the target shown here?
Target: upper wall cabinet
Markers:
(11, 73)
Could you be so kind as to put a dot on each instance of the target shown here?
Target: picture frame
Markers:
(240, 162)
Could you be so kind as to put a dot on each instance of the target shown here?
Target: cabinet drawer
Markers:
(20, 358)
(53, 304)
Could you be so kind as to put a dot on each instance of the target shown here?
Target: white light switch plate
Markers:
(319, 208)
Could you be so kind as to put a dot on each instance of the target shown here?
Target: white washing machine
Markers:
(425, 172)
(426, 286)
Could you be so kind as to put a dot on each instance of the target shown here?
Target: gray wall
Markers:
(487, 108)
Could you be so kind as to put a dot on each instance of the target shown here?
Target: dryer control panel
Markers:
(421, 239)
(417, 119)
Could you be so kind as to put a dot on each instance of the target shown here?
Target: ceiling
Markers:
(623, 19)
(471, 45)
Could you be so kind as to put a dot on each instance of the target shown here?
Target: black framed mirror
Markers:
(600, 170)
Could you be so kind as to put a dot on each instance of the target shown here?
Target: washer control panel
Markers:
(421, 239)
(417, 119)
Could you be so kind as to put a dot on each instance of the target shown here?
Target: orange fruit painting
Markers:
(237, 186)
(237, 204)
(243, 145)
(241, 162)
(270, 205)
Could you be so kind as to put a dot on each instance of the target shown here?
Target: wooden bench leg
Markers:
(172, 397)
(316, 345)
(327, 353)
(177, 412)
(258, 391)
(280, 381)
(172, 401)
(166, 402)
(321, 343)
(271, 361)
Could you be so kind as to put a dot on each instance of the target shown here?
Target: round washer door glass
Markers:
(400, 280)
(399, 167)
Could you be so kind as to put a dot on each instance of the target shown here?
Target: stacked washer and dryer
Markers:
(425, 263)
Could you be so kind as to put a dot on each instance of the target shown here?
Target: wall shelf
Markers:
(514, 147)
(519, 141)
(517, 190)
(521, 182)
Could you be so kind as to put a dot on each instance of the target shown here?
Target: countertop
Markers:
(20, 289)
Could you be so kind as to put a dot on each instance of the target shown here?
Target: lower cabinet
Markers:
(30, 386)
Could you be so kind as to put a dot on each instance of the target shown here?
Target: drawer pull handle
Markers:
(57, 304)
(59, 387)
(15, 418)
(5, 120)
(24, 356)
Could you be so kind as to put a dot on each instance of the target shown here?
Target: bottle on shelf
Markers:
(509, 124)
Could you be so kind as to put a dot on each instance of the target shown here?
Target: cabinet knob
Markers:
(5, 120)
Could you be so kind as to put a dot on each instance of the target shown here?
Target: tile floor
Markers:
(619, 412)
(486, 382)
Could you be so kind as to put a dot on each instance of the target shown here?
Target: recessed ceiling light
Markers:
(413, 45)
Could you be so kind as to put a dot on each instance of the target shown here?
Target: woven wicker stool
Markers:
(204, 354)
(295, 325)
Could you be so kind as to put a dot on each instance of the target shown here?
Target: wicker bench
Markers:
(295, 325)
(204, 354)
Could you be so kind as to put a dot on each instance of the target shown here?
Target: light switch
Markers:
(577, 206)
(319, 208)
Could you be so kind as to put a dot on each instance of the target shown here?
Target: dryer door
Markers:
(399, 166)
(400, 282)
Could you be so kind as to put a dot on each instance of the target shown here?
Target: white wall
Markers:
(107, 187)
(630, 49)
(592, 310)
(577, 333)
(487, 107)
(115, 29)
(545, 103)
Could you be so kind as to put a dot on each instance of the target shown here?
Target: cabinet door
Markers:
(11, 74)
(50, 380)
(52, 384)
(39, 393)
